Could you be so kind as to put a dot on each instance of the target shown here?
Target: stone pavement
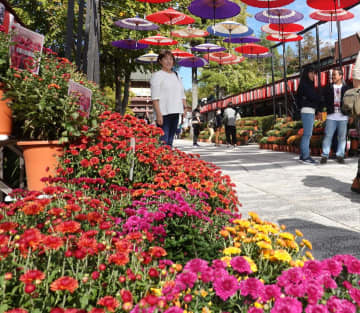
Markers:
(315, 199)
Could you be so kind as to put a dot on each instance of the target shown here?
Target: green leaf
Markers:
(84, 300)
(3, 308)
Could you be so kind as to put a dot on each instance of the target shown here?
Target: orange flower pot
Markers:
(5, 115)
(41, 160)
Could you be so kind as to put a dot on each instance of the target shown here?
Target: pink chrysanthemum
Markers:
(270, 292)
(196, 266)
(255, 310)
(174, 309)
(314, 292)
(252, 287)
(226, 286)
(333, 266)
(186, 280)
(355, 295)
(312, 268)
(240, 265)
(316, 308)
(287, 305)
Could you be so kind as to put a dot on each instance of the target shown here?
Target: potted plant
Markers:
(43, 113)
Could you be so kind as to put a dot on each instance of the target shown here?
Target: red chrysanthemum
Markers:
(109, 302)
(119, 258)
(32, 275)
(64, 283)
(68, 227)
(17, 311)
(157, 252)
(52, 242)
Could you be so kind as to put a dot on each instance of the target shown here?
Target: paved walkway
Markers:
(313, 198)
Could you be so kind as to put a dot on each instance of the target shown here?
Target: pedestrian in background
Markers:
(196, 122)
(308, 100)
(230, 125)
(218, 125)
(168, 96)
(333, 95)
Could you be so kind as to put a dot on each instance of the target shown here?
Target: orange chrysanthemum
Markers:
(157, 252)
(119, 258)
(64, 283)
(67, 227)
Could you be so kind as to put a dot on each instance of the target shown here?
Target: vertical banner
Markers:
(83, 94)
(28, 43)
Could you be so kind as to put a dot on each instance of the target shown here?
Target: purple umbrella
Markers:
(214, 9)
(136, 23)
(207, 47)
(246, 39)
(279, 16)
(193, 62)
(129, 44)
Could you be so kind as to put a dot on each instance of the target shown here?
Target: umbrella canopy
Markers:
(154, 1)
(330, 4)
(237, 60)
(328, 15)
(267, 3)
(136, 23)
(286, 28)
(150, 57)
(193, 62)
(279, 16)
(229, 29)
(189, 32)
(158, 40)
(214, 9)
(284, 37)
(181, 54)
(246, 39)
(219, 57)
(266, 29)
(208, 47)
(170, 17)
(252, 48)
(257, 56)
(129, 44)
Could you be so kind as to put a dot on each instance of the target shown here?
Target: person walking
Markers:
(218, 125)
(168, 96)
(196, 127)
(230, 125)
(308, 100)
(336, 121)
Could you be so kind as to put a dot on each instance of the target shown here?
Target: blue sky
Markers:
(347, 28)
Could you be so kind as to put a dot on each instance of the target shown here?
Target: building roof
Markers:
(350, 46)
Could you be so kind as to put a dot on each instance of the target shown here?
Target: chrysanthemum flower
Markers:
(64, 283)
(109, 302)
(31, 276)
(226, 286)
(240, 265)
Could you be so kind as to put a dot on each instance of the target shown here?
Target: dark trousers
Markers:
(230, 132)
(196, 134)
(169, 126)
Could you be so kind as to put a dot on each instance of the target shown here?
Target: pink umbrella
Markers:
(329, 15)
(158, 40)
(237, 60)
(189, 32)
(220, 57)
(284, 37)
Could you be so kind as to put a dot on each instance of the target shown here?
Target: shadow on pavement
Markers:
(332, 184)
(327, 241)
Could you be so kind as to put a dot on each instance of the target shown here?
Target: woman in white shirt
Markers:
(168, 96)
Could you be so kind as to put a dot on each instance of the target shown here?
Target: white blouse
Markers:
(168, 89)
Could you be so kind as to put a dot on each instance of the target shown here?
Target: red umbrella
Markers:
(330, 4)
(170, 17)
(329, 15)
(154, 1)
(220, 57)
(252, 48)
(267, 3)
(284, 37)
(158, 40)
(286, 28)
(189, 32)
(181, 53)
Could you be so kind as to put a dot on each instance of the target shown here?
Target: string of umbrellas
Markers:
(280, 26)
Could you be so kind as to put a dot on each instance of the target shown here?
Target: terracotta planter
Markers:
(41, 160)
(354, 144)
(5, 115)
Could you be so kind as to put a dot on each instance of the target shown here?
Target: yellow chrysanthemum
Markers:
(255, 217)
(231, 230)
(307, 243)
(299, 263)
(203, 293)
(252, 231)
(258, 305)
(309, 255)
(264, 245)
(253, 266)
(231, 251)
(242, 223)
(156, 291)
(226, 259)
(282, 227)
(299, 233)
(224, 233)
(281, 242)
(282, 255)
(292, 245)
(262, 237)
(205, 310)
(287, 236)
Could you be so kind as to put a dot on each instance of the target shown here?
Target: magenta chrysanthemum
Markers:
(317, 308)
(226, 286)
(287, 305)
(252, 287)
(240, 265)
(174, 309)
(196, 266)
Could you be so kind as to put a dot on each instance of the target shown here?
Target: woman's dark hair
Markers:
(305, 74)
(164, 53)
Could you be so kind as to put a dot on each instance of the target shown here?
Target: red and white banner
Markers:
(83, 95)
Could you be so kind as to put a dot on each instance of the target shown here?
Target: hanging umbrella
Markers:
(136, 23)
(237, 60)
(193, 62)
(257, 56)
(246, 39)
(329, 16)
(158, 40)
(284, 37)
(150, 57)
(330, 4)
(189, 32)
(219, 57)
(279, 16)
(170, 17)
(286, 28)
(267, 3)
(229, 29)
(154, 1)
(181, 53)
(252, 48)
(214, 9)
(129, 44)
(266, 29)
(208, 47)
